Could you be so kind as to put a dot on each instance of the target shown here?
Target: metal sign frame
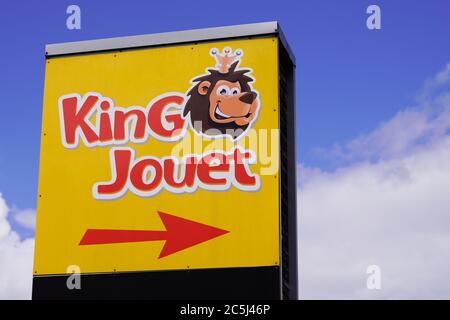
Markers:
(279, 282)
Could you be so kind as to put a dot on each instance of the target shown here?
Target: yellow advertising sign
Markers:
(160, 159)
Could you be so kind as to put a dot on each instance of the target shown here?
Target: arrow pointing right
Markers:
(180, 234)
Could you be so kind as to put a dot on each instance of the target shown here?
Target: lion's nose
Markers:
(248, 97)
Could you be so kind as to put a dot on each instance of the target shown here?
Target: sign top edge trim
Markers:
(165, 38)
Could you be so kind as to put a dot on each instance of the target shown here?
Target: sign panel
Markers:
(160, 159)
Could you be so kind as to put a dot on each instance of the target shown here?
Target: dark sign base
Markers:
(204, 284)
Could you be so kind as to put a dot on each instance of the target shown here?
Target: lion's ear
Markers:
(203, 87)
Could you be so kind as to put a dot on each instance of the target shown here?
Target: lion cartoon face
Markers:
(223, 101)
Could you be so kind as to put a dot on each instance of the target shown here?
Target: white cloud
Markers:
(16, 260)
(407, 131)
(388, 206)
(404, 134)
(5, 228)
(434, 83)
(25, 218)
(443, 76)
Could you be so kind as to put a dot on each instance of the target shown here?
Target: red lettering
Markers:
(163, 117)
(120, 165)
(146, 177)
(105, 123)
(74, 119)
(120, 119)
(137, 175)
(189, 173)
(155, 116)
(240, 171)
(206, 167)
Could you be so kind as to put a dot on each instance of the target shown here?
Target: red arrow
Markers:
(179, 234)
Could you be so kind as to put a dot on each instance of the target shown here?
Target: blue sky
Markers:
(345, 72)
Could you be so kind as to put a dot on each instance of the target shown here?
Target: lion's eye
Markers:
(223, 90)
(235, 91)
